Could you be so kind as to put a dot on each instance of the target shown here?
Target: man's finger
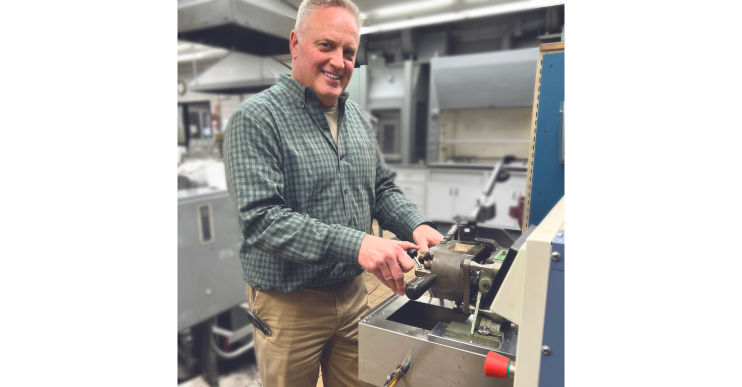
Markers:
(398, 277)
(407, 245)
(405, 262)
(423, 243)
(387, 277)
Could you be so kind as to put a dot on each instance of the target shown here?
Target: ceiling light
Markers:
(410, 7)
(202, 55)
(448, 17)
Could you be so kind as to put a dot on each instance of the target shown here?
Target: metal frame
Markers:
(545, 185)
(527, 286)
(383, 345)
(552, 361)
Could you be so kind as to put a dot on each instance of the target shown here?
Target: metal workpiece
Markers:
(463, 332)
(399, 329)
(486, 312)
(492, 327)
(507, 346)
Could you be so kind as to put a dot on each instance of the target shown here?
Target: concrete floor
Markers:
(249, 376)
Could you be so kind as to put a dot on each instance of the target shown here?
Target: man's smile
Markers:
(332, 76)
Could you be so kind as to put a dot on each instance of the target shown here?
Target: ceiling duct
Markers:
(258, 27)
(239, 73)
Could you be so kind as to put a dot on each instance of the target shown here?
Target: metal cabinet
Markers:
(412, 183)
(453, 192)
(209, 271)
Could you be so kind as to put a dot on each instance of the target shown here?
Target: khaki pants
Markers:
(309, 328)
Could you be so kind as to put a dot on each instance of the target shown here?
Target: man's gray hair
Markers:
(308, 7)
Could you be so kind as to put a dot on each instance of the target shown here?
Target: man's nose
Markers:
(336, 59)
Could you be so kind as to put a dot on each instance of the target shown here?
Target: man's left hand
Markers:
(426, 237)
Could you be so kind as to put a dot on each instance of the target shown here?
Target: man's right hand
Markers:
(387, 260)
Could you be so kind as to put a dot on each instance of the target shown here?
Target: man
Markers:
(307, 179)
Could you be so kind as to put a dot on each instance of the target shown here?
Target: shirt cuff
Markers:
(413, 222)
(347, 244)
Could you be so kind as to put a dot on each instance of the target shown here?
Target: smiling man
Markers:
(307, 180)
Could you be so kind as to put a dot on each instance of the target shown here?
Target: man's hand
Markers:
(387, 260)
(426, 237)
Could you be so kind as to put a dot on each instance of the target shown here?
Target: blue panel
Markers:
(552, 365)
(547, 185)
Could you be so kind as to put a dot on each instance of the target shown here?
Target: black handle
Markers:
(256, 321)
(417, 288)
(412, 253)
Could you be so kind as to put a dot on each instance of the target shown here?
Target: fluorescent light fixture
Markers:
(462, 15)
(202, 55)
(191, 3)
(410, 7)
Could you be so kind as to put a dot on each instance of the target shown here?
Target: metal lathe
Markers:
(494, 294)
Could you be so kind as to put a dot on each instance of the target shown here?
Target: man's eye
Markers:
(325, 45)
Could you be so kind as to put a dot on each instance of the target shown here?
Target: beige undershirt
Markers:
(331, 114)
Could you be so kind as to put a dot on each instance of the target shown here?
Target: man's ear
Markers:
(293, 42)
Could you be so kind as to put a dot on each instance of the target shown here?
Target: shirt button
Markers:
(346, 191)
(350, 223)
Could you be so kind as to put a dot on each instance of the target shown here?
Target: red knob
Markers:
(496, 366)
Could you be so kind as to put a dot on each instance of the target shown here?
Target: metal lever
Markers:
(413, 254)
(416, 288)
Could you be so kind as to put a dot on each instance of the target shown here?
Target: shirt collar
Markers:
(299, 92)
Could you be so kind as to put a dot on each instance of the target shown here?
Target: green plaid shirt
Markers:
(305, 204)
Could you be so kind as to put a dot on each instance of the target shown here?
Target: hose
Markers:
(375, 286)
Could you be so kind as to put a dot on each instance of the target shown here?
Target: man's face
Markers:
(324, 59)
